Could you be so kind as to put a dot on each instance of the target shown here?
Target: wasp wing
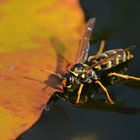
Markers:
(109, 58)
(83, 50)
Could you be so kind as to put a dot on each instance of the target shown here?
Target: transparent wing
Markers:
(109, 58)
(83, 50)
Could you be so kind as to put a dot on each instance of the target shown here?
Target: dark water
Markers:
(118, 22)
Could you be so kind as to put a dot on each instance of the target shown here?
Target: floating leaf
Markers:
(34, 35)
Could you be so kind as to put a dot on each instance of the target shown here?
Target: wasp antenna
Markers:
(48, 71)
(29, 78)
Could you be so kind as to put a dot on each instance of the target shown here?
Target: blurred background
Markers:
(118, 22)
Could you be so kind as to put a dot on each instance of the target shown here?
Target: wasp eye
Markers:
(67, 79)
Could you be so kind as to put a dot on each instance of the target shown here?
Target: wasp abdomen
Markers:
(119, 59)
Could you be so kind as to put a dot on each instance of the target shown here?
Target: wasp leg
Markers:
(102, 45)
(124, 76)
(79, 93)
(106, 91)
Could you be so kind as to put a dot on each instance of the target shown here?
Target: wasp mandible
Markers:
(90, 69)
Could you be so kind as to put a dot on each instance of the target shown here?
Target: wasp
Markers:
(90, 69)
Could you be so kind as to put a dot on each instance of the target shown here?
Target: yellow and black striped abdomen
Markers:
(118, 59)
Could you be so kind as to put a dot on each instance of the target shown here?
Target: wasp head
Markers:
(67, 80)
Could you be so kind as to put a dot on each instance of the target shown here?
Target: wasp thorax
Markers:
(92, 75)
(79, 71)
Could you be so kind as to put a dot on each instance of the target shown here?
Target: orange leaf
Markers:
(34, 35)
